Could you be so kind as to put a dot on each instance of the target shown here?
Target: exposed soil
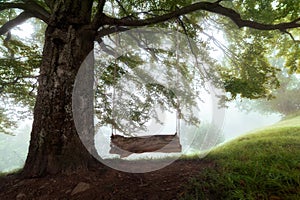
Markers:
(99, 183)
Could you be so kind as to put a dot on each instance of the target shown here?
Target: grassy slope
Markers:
(261, 165)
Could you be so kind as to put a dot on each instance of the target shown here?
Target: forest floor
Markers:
(99, 183)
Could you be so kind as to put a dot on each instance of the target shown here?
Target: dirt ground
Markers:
(99, 183)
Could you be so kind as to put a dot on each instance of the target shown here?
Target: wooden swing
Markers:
(125, 146)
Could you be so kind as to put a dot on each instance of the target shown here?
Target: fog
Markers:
(13, 149)
(238, 123)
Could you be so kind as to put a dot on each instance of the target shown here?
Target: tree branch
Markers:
(122, 8)
(205, 6)
(97, 21)
(14, 22)
(291, 35)
(107, 31)
(31, 7)
(107, 50)
(4, 6)
(49, 3)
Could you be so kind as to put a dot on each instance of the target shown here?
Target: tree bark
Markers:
(55, 146)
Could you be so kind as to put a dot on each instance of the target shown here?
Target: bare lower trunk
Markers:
(55, 145)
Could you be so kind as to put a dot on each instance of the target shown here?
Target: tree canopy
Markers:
(247, 73)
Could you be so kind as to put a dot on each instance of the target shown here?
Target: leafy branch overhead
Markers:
(44, 10)
(204, 6)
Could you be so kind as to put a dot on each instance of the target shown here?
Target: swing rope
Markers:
(117, 42)
(178, 113)
(113, 129)
(177, 70)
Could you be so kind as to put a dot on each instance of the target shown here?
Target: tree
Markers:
(72, 28)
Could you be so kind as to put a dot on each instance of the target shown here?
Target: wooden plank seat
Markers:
(125, 146)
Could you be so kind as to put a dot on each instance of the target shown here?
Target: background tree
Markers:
(19, 64)
(285, 100)
(74, 25)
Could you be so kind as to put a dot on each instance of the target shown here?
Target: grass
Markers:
(260, 165)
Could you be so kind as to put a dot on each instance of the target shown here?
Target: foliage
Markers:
(260, 165)
(247, 71)
(253, 77)
(285, 99)
(129, 93)
(6, 123)
(18, 73)
(267, 11)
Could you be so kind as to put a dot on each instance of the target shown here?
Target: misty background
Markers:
(13, 149)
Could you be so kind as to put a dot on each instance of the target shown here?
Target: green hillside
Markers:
(264, 164)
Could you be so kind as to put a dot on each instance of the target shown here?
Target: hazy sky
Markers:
(238, 122)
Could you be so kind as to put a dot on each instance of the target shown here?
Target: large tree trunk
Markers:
(55, 145)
